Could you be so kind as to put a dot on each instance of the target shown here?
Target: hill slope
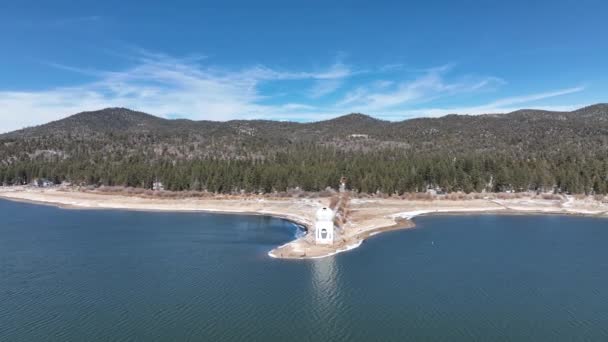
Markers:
(520, 150)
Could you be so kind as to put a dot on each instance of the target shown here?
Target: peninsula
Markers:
(361, 217)
(388, 172)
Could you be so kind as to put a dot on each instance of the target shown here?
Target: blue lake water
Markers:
(99, 275)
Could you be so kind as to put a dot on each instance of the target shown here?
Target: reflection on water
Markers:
(325, 284)
(327, 301)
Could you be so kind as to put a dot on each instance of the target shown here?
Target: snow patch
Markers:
(411, 214)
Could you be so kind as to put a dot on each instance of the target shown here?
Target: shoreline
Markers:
(300, 225)
(367, 218)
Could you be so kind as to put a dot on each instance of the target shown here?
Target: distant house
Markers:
(343, 184)
(157, 186)
(505, 188)
(42, 183)
(435, 191)
(359, 136)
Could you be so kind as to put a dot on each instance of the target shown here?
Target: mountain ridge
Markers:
(525, 149)
(120, 118)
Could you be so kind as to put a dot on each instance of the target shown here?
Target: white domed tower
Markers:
(324, 226)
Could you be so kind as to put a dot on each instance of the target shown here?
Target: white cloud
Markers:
(76, 20)
(162, 86)
(430, 85)
(325, 87)
(167, 86)
(331, 80)
(533, 97)
(505, 105)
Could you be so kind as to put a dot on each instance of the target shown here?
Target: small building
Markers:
(42, 183)
(324, 226)
(343, 184)
(433, 191)
(157, 186)
(359, 136)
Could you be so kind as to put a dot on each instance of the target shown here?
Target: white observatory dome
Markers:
(325, 214)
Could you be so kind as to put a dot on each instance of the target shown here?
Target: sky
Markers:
(299, 60)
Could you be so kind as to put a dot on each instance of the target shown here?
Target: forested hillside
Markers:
(522, 150)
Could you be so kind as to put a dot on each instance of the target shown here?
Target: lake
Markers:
(104, 275)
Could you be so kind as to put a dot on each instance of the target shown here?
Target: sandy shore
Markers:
(367, 217)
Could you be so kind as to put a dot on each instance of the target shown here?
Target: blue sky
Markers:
(299, 60)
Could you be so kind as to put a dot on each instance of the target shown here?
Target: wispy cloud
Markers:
(509, 101)
(189, 87)
(164, 86)
(77, 20)
(500, 106)
(430, 85)
(325, 87)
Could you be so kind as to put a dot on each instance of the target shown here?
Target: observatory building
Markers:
(324, 226)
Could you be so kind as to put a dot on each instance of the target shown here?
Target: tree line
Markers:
(315, 168)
